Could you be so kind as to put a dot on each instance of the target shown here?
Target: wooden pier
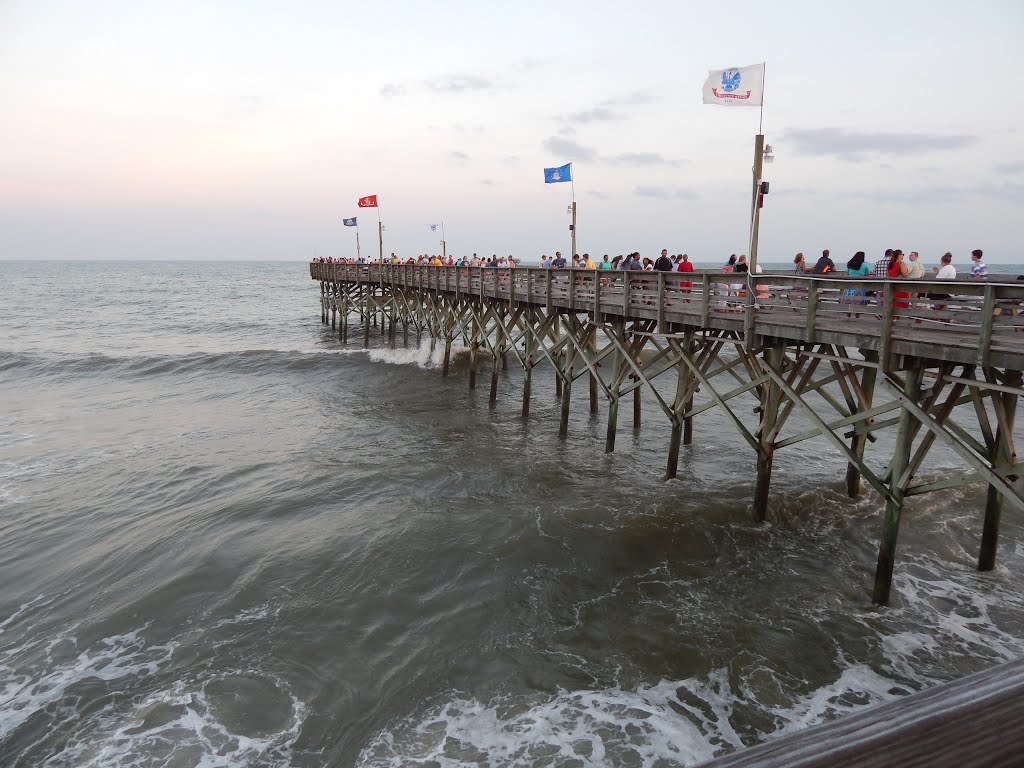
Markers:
(948, 354)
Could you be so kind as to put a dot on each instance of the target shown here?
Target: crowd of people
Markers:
(891, 265)
(428, 260)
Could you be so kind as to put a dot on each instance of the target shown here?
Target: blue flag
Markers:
(350, 222)
(555, 175)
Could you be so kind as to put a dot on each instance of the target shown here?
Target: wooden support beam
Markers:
(684, 380)
(770, 398)
(894, 503)
(866, 392)
(1003, 456)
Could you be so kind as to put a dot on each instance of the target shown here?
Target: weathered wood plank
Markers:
(969, 723)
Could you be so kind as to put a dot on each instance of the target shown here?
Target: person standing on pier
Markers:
(898, 270)
(588, 263)
(685, 266)
(605, 264)
(881, 268)
(978, 269)
(664, 263)
(915, 269)
(559, 261)
(800, 264)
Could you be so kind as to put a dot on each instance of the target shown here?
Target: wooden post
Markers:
(860, 440)
(613, 403)
(449, 324)
(366, 314)
(1003, 456)
(498, 342)
(528, 356)
(770, 397)
(894, 506)
(684, 377)
(570, 356)
(755, 209)
(555, 325)
(474, 333)
(596, 320)
(323, 303)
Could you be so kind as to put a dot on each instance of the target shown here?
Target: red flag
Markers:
(370, 201)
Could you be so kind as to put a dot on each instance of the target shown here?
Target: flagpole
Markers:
(572, 228)
(755, 207)
(760, 122)
(380, 234)
(357, 242)
(444, 246)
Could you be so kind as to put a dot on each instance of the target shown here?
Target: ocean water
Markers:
(227, 540)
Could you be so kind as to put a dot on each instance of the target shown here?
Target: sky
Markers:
(247, 130)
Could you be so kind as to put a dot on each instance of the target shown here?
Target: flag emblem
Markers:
(555, 175)
(349, 222)
(731, 80)
(433, 227)
(370, 201)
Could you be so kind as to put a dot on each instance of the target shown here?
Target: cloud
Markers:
(641, 159)
(490, 182)
(569, 149)
(566, 130)
(458, 156)
(595, 115)
(917, 196)
(460, 83)
(630, 99)
(510, 159)
(1010, 191)
(1009, 169)
(791, 191)
(665, 193)
(858, 146)
(392, 90)
(572, 150)
(598, 194)
(605, 112)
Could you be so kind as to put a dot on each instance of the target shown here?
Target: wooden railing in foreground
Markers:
(970, 723)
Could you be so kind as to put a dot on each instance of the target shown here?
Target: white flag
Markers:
(735, 87)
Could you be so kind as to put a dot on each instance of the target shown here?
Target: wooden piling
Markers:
(613, 400)
(636, 404)
(1003, 457)
(894, 505)
(472, 352)
(570, 355)
(771, 395)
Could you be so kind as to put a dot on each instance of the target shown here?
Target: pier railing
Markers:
(977, 322)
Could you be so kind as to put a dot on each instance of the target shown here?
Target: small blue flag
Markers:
(555, 175)
(433, 227)
(349, 222)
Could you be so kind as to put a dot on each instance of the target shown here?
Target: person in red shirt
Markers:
(685, 266)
